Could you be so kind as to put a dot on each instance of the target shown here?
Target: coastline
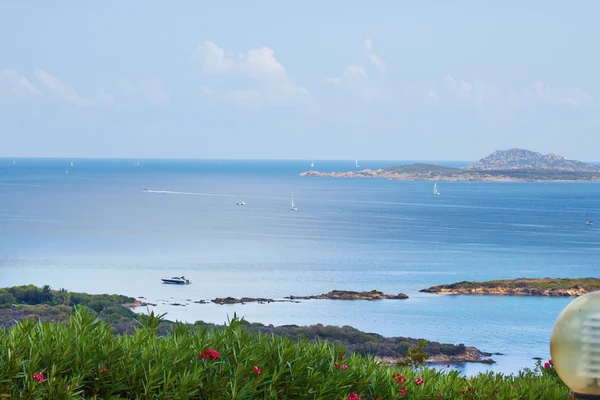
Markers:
(459, 176)
(539, 287)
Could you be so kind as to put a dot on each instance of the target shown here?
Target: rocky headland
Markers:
(514, 165)
(565, 287)
(470, 355)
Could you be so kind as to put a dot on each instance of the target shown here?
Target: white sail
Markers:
(356, 162)
(241, 202)
(293, 206)
(312, 164)
(71, 164)
(435, 191)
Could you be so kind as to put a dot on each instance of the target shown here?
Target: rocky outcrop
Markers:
(504, 291)
(550, 287)
(243, 300)
(471, 355)
(349, 295)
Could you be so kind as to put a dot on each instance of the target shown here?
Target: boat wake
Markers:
(187, 193)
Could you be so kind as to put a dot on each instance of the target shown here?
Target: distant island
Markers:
(516, 165)
(551, 287)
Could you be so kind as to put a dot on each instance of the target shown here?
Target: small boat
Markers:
(14, 162)
(71, 164)
(181, 280)
(312, 164)
(137, 164)
(67, 171)
(241, 202)
(588, 221)
(435, 191)
(293, 206)
(356, 162)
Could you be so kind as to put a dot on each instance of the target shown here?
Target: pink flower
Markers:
(441, 395)
(104, 369)
(344, 367)
(402, 391)
(547, 365)
(337, 366)
(210, 354)
(39, 377)
(68, 387)
(354, 396)
(257, 370)
(419, 381)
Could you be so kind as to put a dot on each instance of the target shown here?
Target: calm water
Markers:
(96, 230)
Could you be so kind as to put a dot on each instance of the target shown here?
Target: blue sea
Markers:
(95, 229)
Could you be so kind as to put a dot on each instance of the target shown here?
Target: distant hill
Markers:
(515, 165)
(522, 159)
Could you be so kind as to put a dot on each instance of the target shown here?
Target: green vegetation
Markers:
(46, 304)
(21, 302)
(356, 341)
(83, 359)
(588, 284)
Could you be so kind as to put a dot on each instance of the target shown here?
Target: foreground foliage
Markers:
(84, 359)
(46, 304)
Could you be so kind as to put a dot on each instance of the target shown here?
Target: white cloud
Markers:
(475, 93)
(274, 84)
(147, 89)
(103, 96)
(16, 86)
(356, 80)
(367, 49)
(213, 59)
(65, 92)
(557, 96)
(60, 89)
(479, 94)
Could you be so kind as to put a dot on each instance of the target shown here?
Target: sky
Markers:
(391, 80)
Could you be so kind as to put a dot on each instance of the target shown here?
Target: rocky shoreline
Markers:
(545, 287)
(333, 295)
(513, 165)
(350, 295)
(471, 355)
(433, 173)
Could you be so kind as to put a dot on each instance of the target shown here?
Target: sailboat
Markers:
(67, 171)
(14, 162)
(356, 162)
(588, 221)
(312, 164)
(241, 202)
(137, 164)
(293, 207)
(71, 164)
(435, 191)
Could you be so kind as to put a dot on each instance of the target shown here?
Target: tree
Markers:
(46, 295)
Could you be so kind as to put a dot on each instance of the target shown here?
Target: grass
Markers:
(82, 358)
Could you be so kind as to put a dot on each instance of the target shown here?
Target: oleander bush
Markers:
(83, 359)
